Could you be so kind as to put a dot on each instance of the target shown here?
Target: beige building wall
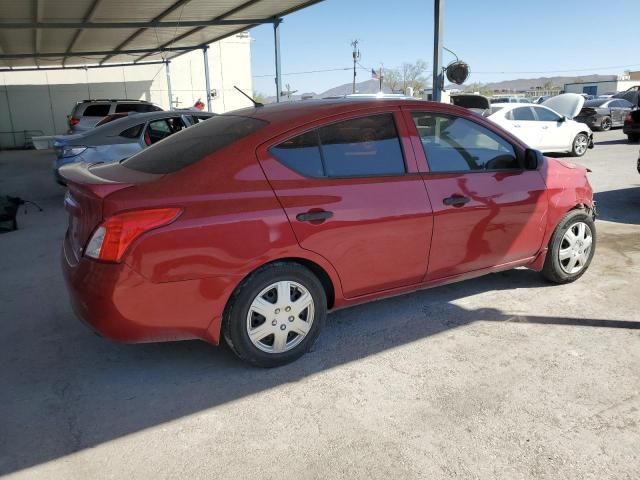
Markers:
(39, 101)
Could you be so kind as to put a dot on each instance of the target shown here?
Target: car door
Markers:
(157, 130)
(554, 134)
(619, 109)
(352, 193)
(524, 126)
(488, 210)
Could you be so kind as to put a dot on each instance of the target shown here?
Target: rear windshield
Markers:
(596, 103)
(191, 145)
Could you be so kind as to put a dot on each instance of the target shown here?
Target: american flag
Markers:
(375, 75)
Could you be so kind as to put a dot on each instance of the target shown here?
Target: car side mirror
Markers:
(532, 158)
(562, 119)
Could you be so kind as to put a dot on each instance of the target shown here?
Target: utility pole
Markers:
(356, 57)
(438, 76)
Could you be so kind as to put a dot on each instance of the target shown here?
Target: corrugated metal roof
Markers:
(82, 32)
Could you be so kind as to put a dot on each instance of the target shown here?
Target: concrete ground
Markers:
(502, 377)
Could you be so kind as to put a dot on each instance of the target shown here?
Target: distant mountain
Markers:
(523, 84)
(518, 85)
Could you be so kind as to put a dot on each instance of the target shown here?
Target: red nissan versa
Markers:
(252, 225)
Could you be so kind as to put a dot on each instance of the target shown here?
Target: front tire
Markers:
(605, 124)
(580, 145)
(275, 315)
(571, 248)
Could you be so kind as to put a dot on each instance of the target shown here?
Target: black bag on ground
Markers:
(8, 212)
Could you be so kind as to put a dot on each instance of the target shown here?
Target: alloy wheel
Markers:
(280, 317)
(575, 248)
(580, 144)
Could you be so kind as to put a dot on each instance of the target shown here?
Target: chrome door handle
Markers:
(545, 127)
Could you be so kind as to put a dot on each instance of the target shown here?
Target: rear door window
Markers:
(133, 107)
(364, 146)
(359, 147)
(455, 144)
(97, 110)
(301, 154)
(132, 132)
(193, 144)
(523, 114)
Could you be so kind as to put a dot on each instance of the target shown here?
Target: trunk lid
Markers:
(567, 104)
(89, 186)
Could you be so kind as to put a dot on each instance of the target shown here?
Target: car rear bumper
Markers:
(591, 121)
(120, 304)
(631, 128)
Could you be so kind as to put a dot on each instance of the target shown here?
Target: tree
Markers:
(407, 75)
(392, 79)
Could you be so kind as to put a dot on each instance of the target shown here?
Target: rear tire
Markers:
(580, 145)
(571, 248)
(275, 315)
(632, 137)
(605, 124)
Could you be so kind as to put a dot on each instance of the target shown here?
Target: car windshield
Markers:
(191, 145)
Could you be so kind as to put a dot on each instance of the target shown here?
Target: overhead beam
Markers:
(219, 18)
(137, 33)
(79, 67)
(101, 53)
(37, 33)
(123, 25)
(88, 16)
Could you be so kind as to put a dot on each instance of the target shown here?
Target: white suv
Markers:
(86, 114)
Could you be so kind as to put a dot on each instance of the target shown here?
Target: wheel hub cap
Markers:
(575, 248)
(280, 317)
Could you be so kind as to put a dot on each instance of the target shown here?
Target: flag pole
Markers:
(380, 75)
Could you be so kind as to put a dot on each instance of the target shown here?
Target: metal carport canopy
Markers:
(63, 33)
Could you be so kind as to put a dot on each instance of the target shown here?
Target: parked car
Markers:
(250, 226)
(476, 103)
(604, 113)
(120, 138)
(509, 100)
(541, 98)
(631, 95)
(631, 127)
(547, 127)
(87, 113)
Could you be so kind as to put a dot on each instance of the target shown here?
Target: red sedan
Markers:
(252, 225)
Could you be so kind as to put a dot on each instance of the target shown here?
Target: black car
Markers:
(604, 113)
(631, 127)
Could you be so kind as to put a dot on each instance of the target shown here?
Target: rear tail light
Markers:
(111, 239)
(627, 118)
(73, 121)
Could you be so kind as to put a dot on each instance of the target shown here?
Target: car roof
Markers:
(115, 127)
(300, 112)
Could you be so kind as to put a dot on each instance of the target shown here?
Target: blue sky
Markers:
(496, 38)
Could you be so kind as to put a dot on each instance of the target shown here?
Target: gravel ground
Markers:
(502, 377)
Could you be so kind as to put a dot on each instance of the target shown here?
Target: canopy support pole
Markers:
(438, 74)
(167, 64)
(276, 41)
(207, 81)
